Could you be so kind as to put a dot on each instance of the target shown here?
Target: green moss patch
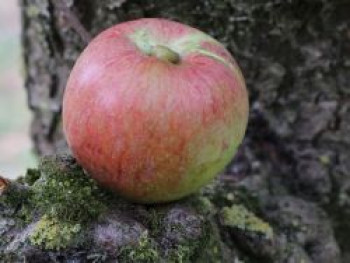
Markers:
(67, 193)
(67, 201)
(32, 176)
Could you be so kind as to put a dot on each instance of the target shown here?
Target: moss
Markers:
(204, 249)
(67, 199)
(181, 254)
(155, 220)
(16, 201)
(202, 204)
(243, 196)
(221, 195)
(210, 248)
(31, 176)
(183, 250)
(239, 217)
(144, 252)
(26, 214)
(14, 197)
(53, 234)
(192, 251)
(65, 192)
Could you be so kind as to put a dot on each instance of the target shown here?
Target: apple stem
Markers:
(165, 54)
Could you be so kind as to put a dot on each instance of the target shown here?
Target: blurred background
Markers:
(15, 146)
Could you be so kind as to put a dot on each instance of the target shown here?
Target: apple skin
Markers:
(150, 126)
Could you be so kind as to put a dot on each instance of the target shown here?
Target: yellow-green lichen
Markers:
(143, 252)
(325, 159)
(52, 234)
(238, 216)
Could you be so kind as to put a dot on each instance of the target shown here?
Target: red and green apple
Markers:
(154, 109)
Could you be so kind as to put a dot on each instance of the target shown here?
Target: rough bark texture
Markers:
(295, 56)
(57, 214)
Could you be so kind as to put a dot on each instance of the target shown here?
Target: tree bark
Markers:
(295, 58)
(57, 214)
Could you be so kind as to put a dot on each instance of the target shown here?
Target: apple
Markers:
(154, 109)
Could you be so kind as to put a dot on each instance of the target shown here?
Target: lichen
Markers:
(238, 216)
(53, 234)
(65, 206)
(144, 252)
(66, 192)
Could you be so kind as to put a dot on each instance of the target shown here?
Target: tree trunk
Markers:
(295, 57)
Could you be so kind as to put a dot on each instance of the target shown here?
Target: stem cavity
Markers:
(165, 54)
